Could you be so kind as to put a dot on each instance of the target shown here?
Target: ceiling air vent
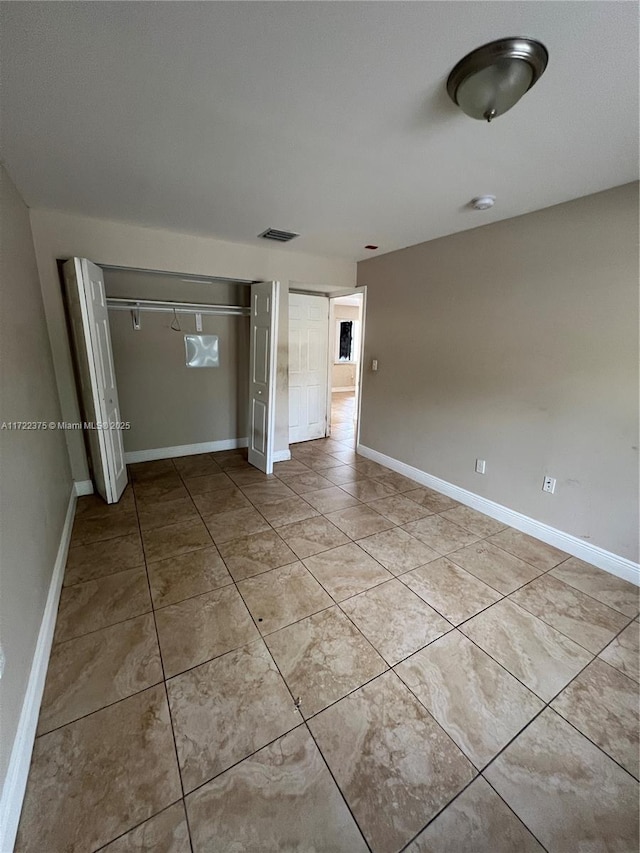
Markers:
(279, 236)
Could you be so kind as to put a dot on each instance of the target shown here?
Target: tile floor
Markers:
(330, 659)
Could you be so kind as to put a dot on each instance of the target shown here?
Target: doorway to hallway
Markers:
(344, 415)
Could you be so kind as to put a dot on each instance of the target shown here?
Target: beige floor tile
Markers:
(248, 476)
(370, 468)
(95, 670)
(267, 492)
(397, 550)
(454, 593)
(539, 554)
(141, 471)
(287, 510)
(226, 709)
(473, 521)
(166, 832)
(623, 651)
(225, 500)
(496, 567)
(187, 575)
(607, 588)
(283, 596)
(199, 465)
(82, 792)
(235, 524)
(331, 500)
(368, 490)
(309, 482)
(603, 704)
(93, 506)
(345, 474)
(477, 821)
(201, 628)
(323, 462)
(227, 459)
(175, 539)
(218, 482)
(473, 698)
(293, 802)
(254, 554)
(394, 764)
(290, 468)
(586, 621)
(359, 521)
(346, 456)
(395, 620)
(161, 514)
(346, 571)
(97, 604)
(86, 562)
(538, 655)
(399, 509)
(168, 487)
(397, 482)
(322, 658)
(98, 529)
(566, 790)
(435, 501)
(312, 536)
(441, 535)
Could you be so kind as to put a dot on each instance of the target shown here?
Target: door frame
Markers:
(357, 291)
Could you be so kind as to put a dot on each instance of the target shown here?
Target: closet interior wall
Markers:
(167, 403)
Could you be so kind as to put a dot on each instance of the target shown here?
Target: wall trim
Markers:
(184, 450)
(606, 560)
(344, 388)
(18, 770)
(83, 487)
(281, 455)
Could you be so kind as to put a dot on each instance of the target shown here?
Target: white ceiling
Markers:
(330, 119)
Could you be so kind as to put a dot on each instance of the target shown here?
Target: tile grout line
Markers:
(164, 678)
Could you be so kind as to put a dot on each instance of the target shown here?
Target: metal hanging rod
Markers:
(117, 303)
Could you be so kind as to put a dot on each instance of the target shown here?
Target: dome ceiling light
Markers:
(492, 79)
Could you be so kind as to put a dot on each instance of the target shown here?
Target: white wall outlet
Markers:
(2, 661)
(549, 485)
(374, 364)
(481, 466)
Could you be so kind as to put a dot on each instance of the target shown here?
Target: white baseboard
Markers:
(18, 770)
(282, 455)
(343, 388)
(606, 560)
(83, 487)
(184, 450)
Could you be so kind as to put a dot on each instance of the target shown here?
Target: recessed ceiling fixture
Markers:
(278, 235)
(483, 202)
(492, 79)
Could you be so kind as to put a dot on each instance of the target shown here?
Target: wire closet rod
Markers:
(118, 303)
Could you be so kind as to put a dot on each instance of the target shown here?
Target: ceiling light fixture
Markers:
(492, 79)
(483, 202)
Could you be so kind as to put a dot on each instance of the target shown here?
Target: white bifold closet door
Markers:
(308, 375)
(262, 376)
(92, 342)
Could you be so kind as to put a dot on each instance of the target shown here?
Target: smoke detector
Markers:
(483, 202)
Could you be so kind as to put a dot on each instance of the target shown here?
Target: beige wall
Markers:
(517, 343)
(35, 479)
(343, 375)
(166, 402)
(61, 235)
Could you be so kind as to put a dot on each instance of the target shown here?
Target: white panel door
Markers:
(92, 340)
(308, 375)
(262, 378)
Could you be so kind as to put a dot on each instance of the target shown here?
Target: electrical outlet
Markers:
(481, 466)
(549, 485)
(374, 364)
(2, 661)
